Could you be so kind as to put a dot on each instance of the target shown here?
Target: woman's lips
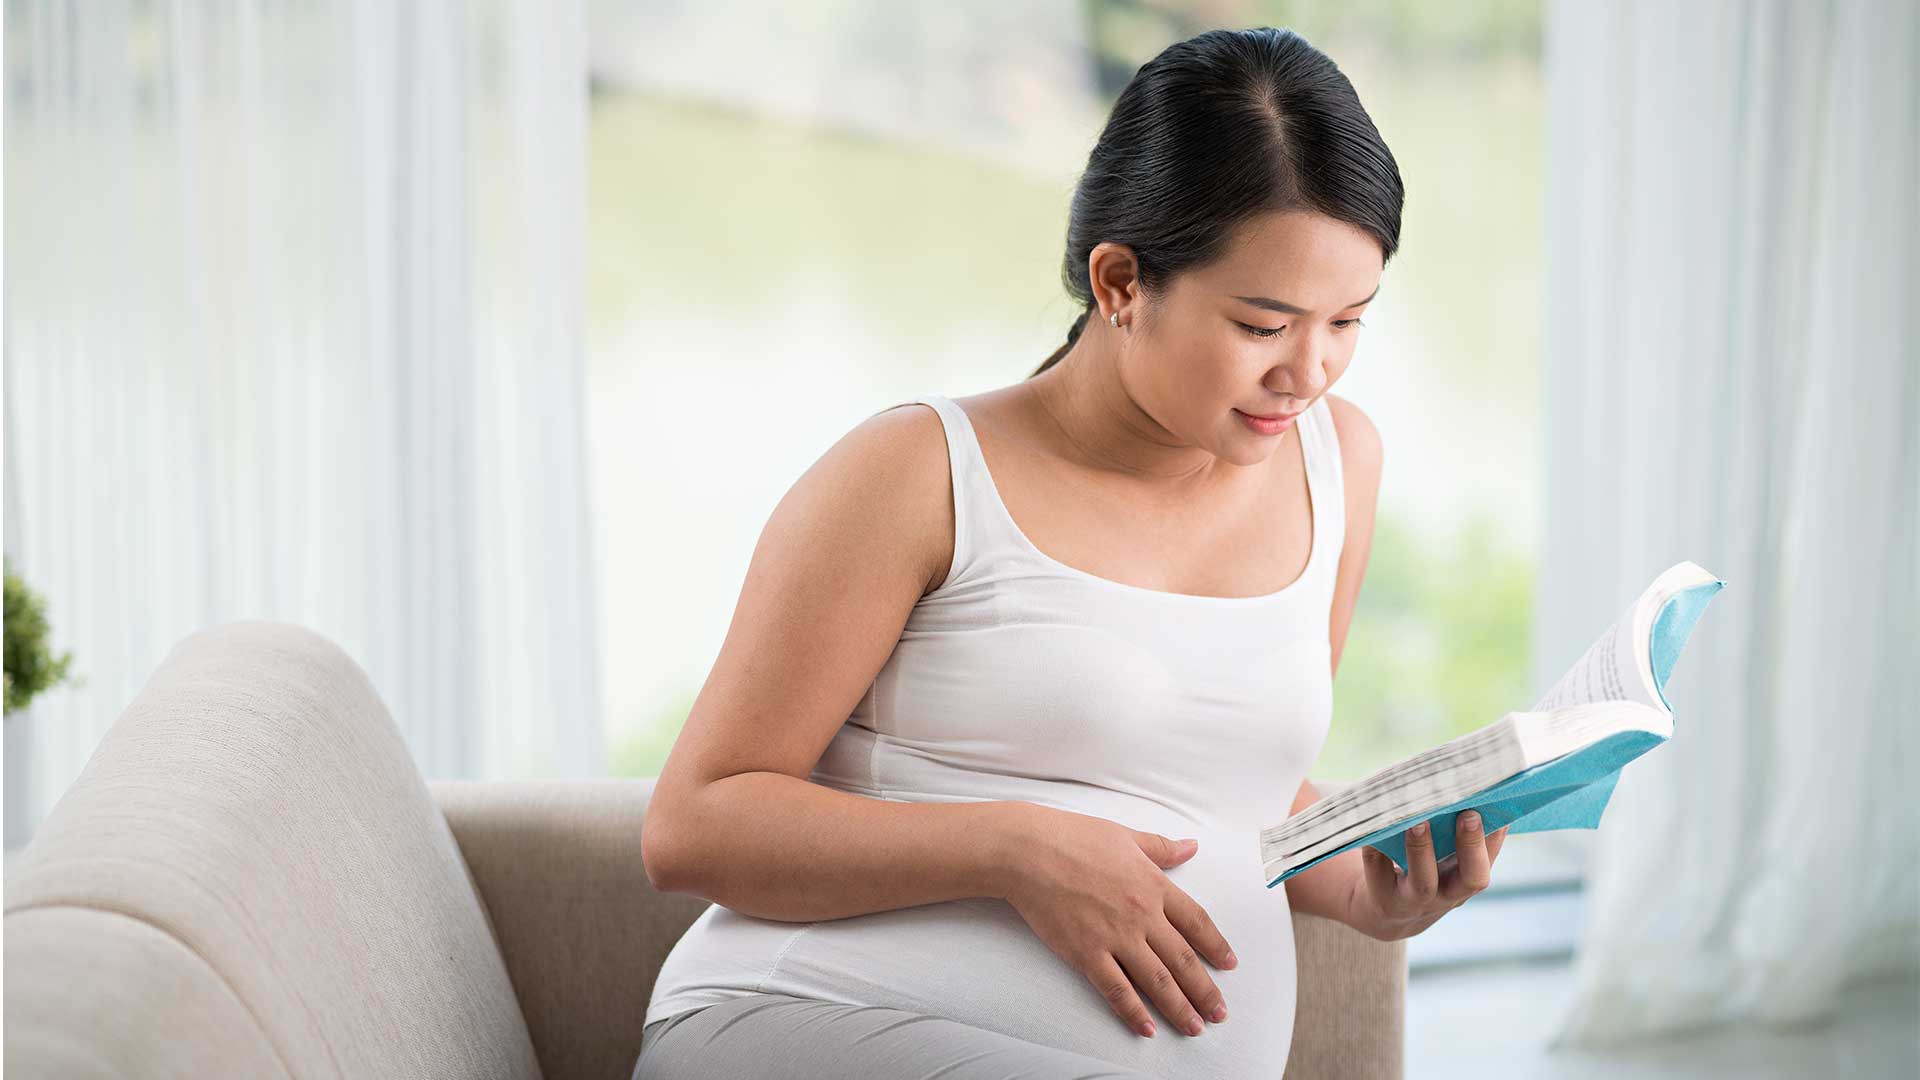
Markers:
(1267, 425)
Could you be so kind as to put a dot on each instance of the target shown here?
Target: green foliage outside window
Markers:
(1438, 646)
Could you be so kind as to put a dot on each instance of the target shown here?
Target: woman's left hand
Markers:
(1388, 905)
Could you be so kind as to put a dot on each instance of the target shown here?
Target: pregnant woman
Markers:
(1000, 661)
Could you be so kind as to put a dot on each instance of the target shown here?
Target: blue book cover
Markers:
(1630, 663)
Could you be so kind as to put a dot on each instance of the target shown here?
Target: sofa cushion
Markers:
(257, 805)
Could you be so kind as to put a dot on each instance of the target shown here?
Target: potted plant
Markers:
(31, 666)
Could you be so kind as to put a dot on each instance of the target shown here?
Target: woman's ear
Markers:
(1114, 273)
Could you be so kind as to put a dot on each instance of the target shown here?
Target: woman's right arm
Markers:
(736, 819)
(847, 552)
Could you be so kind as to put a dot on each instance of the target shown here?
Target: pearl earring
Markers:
(1114, 320)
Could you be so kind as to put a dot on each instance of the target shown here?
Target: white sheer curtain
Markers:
(294, 331)
(1733, 373)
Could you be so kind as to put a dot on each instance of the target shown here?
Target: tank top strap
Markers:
(981, 531)
(1326, 482)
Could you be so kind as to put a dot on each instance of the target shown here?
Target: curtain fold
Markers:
(294, 331)
(1733, 377)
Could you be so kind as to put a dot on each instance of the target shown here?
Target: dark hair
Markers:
(1216, 130)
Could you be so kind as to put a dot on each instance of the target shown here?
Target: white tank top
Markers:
(1022, 678)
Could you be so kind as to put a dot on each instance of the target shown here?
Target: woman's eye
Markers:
(1264, 332)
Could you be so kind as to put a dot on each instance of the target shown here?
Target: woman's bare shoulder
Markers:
(892, 471)
(1360, 450)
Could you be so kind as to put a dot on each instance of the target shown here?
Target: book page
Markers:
(1431, 778)
(1385, 787)
(1545, 736)
(1606, 672)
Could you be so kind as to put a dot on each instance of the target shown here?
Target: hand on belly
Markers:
(1130, 911)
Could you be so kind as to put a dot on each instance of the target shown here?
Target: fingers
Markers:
(1203, 998)
(1194, 924)
(1475, 866)
(1165, 851)
(1114, 985)
(1427, 880)
(1142, 962)
(1423, 873)
(1383, 878)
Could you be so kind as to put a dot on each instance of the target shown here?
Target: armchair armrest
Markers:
(1351, 1017)
(557, 865)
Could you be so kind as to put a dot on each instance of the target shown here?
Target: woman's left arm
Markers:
(1361, 886)
(1324, 890)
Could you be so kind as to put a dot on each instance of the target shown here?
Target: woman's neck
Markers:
(1084, 408)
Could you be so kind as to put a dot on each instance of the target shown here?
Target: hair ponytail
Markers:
(1073, 335)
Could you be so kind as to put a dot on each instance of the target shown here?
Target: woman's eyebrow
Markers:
(1289, 309)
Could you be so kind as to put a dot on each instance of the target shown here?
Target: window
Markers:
(812, 218)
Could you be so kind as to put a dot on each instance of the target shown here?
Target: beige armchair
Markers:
(251, 878)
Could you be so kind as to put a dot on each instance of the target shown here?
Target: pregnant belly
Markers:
(977, 961)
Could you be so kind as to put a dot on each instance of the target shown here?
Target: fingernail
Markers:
(1195, 1027)
(1420, 829)
(1219, 1013)
(1146, 1028)
(1232, 960)
(1472, 820)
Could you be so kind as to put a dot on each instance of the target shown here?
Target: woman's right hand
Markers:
(1096, 892)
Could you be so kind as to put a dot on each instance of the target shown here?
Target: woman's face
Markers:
(1265, 330)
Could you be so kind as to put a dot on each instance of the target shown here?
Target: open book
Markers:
(1553, 767)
